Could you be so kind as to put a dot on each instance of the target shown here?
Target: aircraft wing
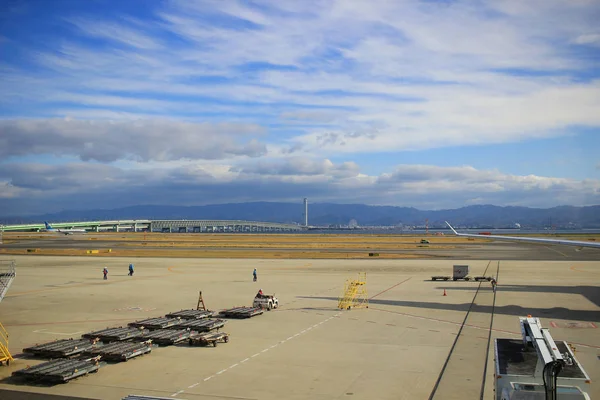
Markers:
(576, 243)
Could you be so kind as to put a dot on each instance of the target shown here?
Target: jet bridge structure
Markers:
(537, 367)
(8, 272)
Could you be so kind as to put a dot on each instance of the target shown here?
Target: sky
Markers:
(429, 104)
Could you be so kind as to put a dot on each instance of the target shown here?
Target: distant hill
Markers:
(480, 216)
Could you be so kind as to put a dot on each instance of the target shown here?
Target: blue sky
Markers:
(413, 103)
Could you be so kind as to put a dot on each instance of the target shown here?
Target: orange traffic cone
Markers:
(444, 292)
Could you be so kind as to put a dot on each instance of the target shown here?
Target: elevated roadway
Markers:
(162, 226)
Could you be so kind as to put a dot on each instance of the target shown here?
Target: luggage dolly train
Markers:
(460, 272)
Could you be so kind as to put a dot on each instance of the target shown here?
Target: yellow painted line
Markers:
(575, 268)
(559, 252)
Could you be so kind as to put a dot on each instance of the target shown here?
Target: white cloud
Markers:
(115, 32)
(144, 140)
(592, 38)
(424, 186)
(298, 166)
(200, 86)
(384, 65)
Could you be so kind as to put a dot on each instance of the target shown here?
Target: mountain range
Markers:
(477, 216)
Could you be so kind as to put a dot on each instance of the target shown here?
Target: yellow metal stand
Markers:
(355, 293)
(4, 353)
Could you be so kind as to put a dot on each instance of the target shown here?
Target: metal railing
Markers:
(8, 273)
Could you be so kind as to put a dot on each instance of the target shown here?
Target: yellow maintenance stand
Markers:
(7, 275)
(355, 293)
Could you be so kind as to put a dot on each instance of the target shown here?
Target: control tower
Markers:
(305, 211)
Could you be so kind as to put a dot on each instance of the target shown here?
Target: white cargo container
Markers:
(460, 272)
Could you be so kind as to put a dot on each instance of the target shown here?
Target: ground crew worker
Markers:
(130, 269)
(105, 272)
(493, 281)
(259, 294)
(254, 274)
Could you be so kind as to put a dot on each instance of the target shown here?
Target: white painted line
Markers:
(254, 355)
(57, 333)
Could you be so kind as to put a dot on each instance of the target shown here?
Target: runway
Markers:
(307, 349)
(467, 250)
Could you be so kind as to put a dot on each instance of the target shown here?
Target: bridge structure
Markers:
(165, 226)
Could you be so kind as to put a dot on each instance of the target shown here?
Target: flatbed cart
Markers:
(116, 334)
(190, 314)
(166, 337)
(459, 272)
(155, 323)
(241, 312)
(63, 348)
(206, 339)
(59, 371)
(122, 351)
(200, 325)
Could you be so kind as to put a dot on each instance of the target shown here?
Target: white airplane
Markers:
(49, 228)
(576, 243)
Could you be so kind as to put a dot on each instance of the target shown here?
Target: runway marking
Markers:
(57, 333)
(98, 282)
(170, 269)
(390, 288)
(467, 325)
(70, 322)
(248, 359)
(557, 251)
(576, 268)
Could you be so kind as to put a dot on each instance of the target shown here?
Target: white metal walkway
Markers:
(7, 275)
